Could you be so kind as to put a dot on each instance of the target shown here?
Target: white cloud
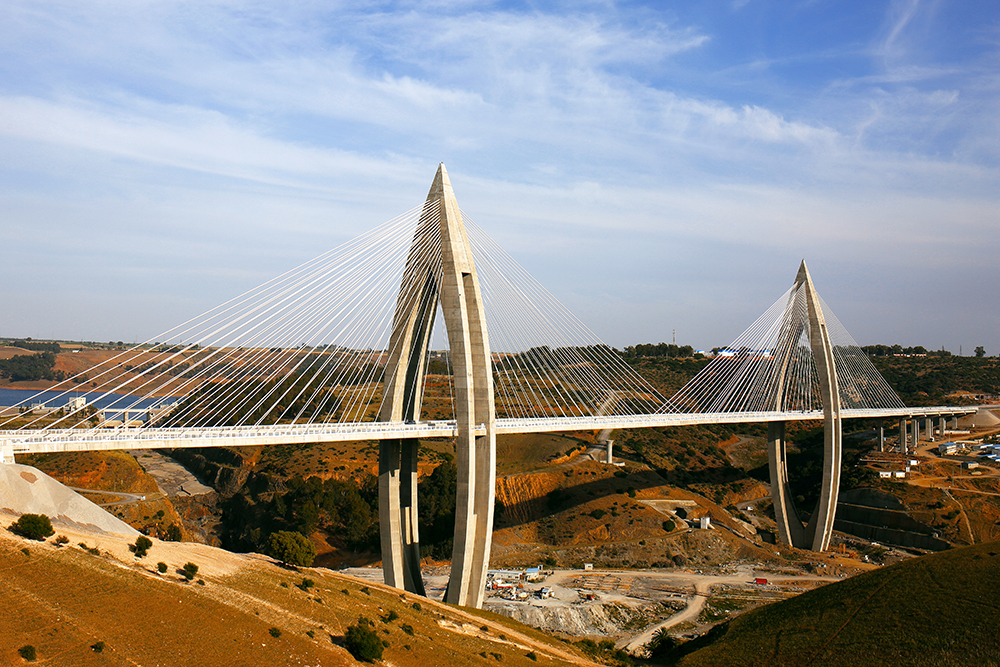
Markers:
(574, 133)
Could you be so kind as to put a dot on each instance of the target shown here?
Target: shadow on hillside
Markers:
(573, 496)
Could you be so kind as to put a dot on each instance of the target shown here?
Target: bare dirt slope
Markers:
(24, 489)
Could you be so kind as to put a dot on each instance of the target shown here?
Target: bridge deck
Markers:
(67, 440)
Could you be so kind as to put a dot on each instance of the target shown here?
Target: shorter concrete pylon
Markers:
(816, 535)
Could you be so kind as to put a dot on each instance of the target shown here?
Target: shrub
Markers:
(33, 526)
(669, 525)
(407, 628)
(597, 514)
(161, 567)
(98, 647)
(530, 655)
(306, 584)
(363, 643)
(416, 606)
(661, 643)
(291, 548)
(173, 533)
(275, 632)
(141, 546)
(62, 539)
(27, 652)
(189, 570)
(390, 617)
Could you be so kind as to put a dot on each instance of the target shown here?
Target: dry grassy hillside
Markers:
(239, 610)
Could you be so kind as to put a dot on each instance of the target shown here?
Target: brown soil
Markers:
(63, 600)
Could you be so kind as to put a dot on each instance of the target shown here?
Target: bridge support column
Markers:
(881, 436)
(929, 428)
(915, 427)
(902, 435)
(790, 529)
(954, 422)
(816, 535)
(941, 426)
(610, 459)
(820, 528)
(440, 267)
(472, 365)
(397, 500)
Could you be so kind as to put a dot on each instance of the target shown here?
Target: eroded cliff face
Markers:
(524, 497)
(601, 619)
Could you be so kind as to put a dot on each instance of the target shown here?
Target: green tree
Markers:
(141, 546)
(291, 548)
(661, 643)
(363, 642)
(33, 526)
(980, 351)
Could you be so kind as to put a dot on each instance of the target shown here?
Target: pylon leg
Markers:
(790, 529)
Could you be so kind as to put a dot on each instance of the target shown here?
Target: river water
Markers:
(57, 399)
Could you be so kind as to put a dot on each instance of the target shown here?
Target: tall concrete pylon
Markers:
(440, 268)
(816, 535)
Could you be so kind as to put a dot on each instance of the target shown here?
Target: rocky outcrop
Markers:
(576, 620)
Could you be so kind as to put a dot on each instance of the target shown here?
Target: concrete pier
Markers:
(440, 267)
(816, 535)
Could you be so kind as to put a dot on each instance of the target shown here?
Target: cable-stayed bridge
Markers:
(423, 327)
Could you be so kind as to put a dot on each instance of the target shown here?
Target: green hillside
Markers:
(940, 609)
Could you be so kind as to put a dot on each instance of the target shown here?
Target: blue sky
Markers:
(655, 168)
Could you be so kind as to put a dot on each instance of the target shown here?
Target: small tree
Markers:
(141, 546)
(28, 652)
(189, 570)
(363, 642)
(291, 548)
(161, 567)
(33, 526)
(661, 644)
(173, 533)
(980, 351)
